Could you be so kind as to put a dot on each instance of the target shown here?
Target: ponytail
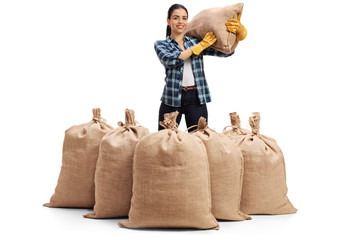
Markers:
(168, 31)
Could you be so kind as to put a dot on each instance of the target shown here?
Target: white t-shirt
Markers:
(188, 76)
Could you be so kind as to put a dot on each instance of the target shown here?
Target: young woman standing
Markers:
(186, 89)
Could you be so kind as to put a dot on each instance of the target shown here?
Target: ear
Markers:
(168, 21)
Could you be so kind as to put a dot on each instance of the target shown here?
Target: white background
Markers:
(298, 67)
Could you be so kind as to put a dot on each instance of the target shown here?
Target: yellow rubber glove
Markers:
(208, 40)
(235, 26)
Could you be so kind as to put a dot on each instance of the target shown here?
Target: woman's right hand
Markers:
(207, 41)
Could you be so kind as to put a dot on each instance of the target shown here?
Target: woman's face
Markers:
(178, 21)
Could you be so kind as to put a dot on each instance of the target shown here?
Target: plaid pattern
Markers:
(168, 52)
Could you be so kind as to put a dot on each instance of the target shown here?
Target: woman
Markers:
(186, 89)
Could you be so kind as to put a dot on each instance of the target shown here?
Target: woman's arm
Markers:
(212, 52)
(208, 40)
(167, 58)
(186, 54)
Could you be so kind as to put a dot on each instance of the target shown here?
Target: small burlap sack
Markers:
(171, 181)
(226, 172)
(113, 175)
(213, 20)
(75, 187)
(264, 187)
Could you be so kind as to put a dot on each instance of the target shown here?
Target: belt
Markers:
(188, 88)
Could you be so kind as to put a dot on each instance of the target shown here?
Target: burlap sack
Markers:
(213, 20)
(264, 186)
(113, 175)
(235, 126)
(75, 187)
(171, 187)
(226, 172)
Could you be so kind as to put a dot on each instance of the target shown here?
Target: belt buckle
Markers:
(188, 88)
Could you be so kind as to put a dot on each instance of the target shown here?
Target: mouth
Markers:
(180, 26)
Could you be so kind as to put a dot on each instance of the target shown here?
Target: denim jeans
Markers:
(190, 106)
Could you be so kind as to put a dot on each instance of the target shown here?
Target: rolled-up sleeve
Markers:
(212, 52)
(167, 58)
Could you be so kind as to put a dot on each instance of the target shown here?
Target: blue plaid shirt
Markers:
(168, 52)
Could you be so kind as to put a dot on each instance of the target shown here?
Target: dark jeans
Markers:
(190, 106)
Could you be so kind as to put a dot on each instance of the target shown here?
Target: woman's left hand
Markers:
(235, 26)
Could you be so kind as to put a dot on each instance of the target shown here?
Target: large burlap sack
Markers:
(226, 172)
(264, 186)
(75, 187)
(171, 181)
(213, 20)
(113, 175)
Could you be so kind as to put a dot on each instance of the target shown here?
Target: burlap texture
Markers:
(113, 175)
(171, 181)
(213, 20)
(264, 187)
(226, 173)
(75, 187)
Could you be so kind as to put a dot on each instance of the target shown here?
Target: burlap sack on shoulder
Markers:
(213, 20)
(226, 172)
(113, 175)
(171, 181)
(75, 187)
(264, 186)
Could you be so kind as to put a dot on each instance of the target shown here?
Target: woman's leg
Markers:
(168, 109)
(193, 110)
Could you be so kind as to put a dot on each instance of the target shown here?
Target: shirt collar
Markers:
(169, 39)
